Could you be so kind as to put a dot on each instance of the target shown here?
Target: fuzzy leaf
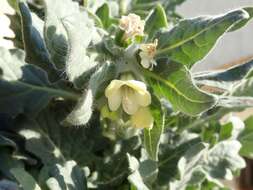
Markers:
(14, 4)
(36, 52)
(223, 159)
(188, 166)
(8, 185)
(84, 108)
(155, 21)
(235, 102)
(171, 153)
(235, 73)
(82, 112)
(53, 143)
(80, 31)
(25, 88)
(216, 163)
(68, 176)
(232, 129)
(135, 177)
(149, 4)
(174, 83)
(25, 179)
(226, 79)
(241, 24)
(103, 13)
(190, 40)
(246, 139)
(6, 142)
(244, 89)
(39, 142)
(8, 156)
(54, 32)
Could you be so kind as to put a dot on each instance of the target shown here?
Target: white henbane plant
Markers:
(100, 95)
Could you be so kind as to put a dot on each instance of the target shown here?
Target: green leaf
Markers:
(234, 102)
(223, 159)
(8, 156)
(156, 21)
(6, 185)
(189, 166)
(216, 163)
(152, 136)
(191, 39)
(6, 142)
(244, 89)
(16, 27)
(241, 24)
(55, 33)
(25, 88)
(135, 177)
(103, 13)
(232, 129)
(175, 84)
(148, 170)
(226, 131)
(39, 142)
(246, 139)
(170, 154)
(84, 108)
(68, 176)
(13, 4)
(173, 3)
(227, 78)
(149, 4)
(7, 162)
(25, 179)
(53, 143)
(36, 52)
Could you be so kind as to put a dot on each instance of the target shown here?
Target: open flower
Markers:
(132, 25)
(147, 54)
(134, 98)
(132, 94)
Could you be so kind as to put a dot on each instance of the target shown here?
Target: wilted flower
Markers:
(5, 25)
(147, 54)
(132, 25)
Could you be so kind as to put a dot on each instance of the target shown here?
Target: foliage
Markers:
(59, 132)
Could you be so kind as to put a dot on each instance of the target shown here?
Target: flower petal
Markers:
(113, 86)
(136, 85)
(143, 98)
(114, 100)
(114, 94)
(129, 103)
(142, 118)
(145, 61)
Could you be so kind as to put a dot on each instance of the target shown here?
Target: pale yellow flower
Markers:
(147, 54)
(131, 94)
(142, 118)
(132, 25)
